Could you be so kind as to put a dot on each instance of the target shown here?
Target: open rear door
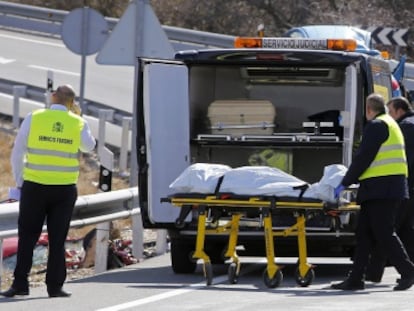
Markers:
(348, 115)
(166, 117)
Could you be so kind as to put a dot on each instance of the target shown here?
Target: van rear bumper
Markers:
(319, 244)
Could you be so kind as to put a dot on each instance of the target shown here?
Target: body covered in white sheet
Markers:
(256, 180)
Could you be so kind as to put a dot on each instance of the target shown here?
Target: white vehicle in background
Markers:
(405, 76)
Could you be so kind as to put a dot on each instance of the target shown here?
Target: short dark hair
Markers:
(400, 102)
(376, 102)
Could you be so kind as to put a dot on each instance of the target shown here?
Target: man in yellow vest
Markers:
(380, 168)
(45, 163)
(400, 109)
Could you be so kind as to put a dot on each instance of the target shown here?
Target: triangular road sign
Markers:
(121, 47)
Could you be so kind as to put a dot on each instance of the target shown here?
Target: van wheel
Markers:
(181, 259)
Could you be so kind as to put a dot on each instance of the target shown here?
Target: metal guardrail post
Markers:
(18, 91)
(101, 254)
(137, 233)
(106, 158)
(49, 88)
(161, 243)
(1, 260)
(126, 126)
(104, 115)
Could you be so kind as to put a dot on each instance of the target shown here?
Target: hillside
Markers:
(242, 17)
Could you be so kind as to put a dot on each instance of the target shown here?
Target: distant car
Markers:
(363, 37)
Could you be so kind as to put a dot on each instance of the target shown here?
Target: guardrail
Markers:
(38, 94)
(48, 21)
(89, 210)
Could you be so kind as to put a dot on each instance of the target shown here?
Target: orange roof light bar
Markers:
(248, 42)
(296, 43)
(342, 44)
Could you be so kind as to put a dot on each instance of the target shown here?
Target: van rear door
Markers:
(166, 118)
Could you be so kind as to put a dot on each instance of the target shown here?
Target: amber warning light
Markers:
(296, 43)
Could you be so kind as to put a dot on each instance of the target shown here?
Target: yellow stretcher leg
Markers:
(304, 274)
(270, 250)
(234, 267)
(303, 260)
(234, 231)
(199, 252)
(272, 275)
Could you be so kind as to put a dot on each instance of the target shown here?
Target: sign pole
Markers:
(84, 42)
(84, 31)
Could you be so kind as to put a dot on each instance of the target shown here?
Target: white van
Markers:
(308, 98)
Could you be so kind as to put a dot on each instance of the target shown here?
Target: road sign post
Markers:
(84, 31)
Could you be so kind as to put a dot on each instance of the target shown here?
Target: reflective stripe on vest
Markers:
(391, 158)
(52, 156)
(54, 153)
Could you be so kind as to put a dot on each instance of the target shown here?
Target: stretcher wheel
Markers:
(232, 273)
(273, 282)
(208, 272)
(307, 279)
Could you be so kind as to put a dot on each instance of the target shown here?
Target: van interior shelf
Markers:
(282, 139)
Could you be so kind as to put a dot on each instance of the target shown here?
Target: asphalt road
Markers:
(151, 285)
(27, 58)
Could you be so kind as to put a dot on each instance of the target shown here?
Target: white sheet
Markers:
(256, 180)
(199, 178)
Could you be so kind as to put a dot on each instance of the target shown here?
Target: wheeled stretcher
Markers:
(211, 208)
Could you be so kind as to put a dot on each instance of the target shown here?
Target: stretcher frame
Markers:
(238, 206)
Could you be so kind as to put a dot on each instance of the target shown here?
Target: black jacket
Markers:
(406, 123)
(384, 187)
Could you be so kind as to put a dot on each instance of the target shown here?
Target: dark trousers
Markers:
(376, 227)
(39, 203)
(405, 230)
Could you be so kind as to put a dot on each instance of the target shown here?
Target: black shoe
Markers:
(59, 293)
(11, 292)
(405, 283)
(373, 279)
(349, 285)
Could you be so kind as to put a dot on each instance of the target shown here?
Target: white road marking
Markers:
(32, 40)
(176, 292)
(55, 70)
(162, 296)
(4, 60)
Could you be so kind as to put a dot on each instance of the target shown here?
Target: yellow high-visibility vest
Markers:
(391, 158)
(52, 156)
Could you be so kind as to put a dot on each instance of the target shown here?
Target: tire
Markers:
(274, 281)
(208, 270)
(306, 280)
(233, 277)
(181, 260)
